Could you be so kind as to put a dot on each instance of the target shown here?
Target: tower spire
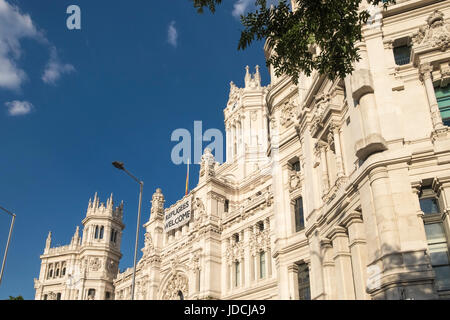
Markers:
(248, 76)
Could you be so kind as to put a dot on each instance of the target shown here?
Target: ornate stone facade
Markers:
(84, 269)
(330, 190)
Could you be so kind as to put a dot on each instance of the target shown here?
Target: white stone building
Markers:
(84, 269)
(330, 190)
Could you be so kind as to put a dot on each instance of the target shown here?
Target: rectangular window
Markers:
(58, 296)
(436, 238)
(402, 55)
(304, 290)
(438, 248)
(226, 206)
(237, 273)
(262, 264)
(296, 166)
(443, 99)
(299, 218)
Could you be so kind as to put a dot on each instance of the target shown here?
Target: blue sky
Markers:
(73, 101)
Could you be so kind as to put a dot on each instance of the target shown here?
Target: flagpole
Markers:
(187, 179)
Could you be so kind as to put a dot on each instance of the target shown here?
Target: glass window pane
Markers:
(303, 282)
(442, 277)
(439, 254)
(299, 219)
(262, 264)
(435, 232)
(429, 205)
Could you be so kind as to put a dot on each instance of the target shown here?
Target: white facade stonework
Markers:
(84, 269)
(362, 158)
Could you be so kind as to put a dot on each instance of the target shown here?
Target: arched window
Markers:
(180, 295)
(50, 274)
(58, 296)
(63, 272)
(115, 236)
(111, 238)
(262, 265)
(96, 232)
(236, 237)
(102, 230)
(57, 273)
(226, 206)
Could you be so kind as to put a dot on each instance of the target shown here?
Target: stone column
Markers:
(315, 264)
(385, 215)
(343, 264)
(337, 150)
(329, 277)
(355, 226)
(248, 255)
(293, 279)
(426, 77)
(323, 164)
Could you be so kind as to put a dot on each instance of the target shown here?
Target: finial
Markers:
(48, 242)
(248, 77)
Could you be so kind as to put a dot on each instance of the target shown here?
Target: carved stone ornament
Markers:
(288, 113)
(294, 181)
(199, 211)
(178, 283)
(95, 264)
(148, 245)
(157, 203)
(259, 241)
(234, 252)
(234, 96)
(435, 34)
(207, 164)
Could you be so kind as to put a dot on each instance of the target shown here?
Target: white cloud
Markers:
(55, 68)
(13, 27)
(172, 34)
(19, 108)
(240, 7)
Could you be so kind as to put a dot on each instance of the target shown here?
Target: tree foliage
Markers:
(332, 25)
(16, 298)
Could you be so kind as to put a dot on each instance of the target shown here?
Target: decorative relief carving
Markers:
(435, 34)
(95, 263)
(178, 283)
(235, 251)
(149, 248)
(207, 165)
(235, 95)
(157, 204)
(288, 113)
(259, 241)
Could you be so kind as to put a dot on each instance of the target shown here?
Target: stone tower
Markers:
(85, 268)
(101, 240)
(246, 124)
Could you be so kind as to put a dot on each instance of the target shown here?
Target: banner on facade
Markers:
(177, 216)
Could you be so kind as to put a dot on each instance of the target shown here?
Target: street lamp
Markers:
(9, 239)
(120, 166)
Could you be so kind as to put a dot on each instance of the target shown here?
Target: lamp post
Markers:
(120, 166)
(9, 239)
